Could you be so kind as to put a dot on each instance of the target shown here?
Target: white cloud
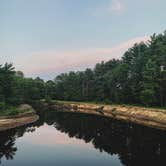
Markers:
(63, 61)
(116, 6)
(111, 7)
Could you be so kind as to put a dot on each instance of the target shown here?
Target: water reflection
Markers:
(135, 145)
(7, 148)
(8, 138)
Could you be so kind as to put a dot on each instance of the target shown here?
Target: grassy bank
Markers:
(12, 117)
(12, 111)
(15, 110)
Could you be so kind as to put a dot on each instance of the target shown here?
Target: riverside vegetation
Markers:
(138, 78)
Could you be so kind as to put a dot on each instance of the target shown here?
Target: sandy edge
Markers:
(9, 122)
(155, 118)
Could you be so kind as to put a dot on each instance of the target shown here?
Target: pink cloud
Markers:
(64, 61)
(41, 137)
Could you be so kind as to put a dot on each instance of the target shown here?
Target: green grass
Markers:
(77, 102)
(102, 103)
(11, 111)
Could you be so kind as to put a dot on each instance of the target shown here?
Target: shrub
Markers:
(48, 99)
(13, 111)
(2, 106)
(107, 101)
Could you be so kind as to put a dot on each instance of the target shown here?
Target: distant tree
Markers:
(20, 74)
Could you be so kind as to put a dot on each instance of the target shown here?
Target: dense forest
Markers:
(139, 77)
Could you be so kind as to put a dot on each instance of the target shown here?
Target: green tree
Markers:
(6, 82)
(149, 84)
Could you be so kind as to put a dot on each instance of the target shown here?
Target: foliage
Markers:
(138, 78)
(2, 105)
(10, 110)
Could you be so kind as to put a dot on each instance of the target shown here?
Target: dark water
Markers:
(66, 139)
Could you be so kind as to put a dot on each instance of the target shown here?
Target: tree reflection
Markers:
(7, 148)
(135, 145)
(8, 138)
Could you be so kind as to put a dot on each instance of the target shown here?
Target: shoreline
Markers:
(13, 121)
(6, 124)
(150, 117)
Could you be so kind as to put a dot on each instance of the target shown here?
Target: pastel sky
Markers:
(47, 37)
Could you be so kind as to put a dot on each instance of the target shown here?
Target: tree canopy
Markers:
(139, 77)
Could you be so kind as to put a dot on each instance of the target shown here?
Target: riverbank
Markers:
(26, 114)
(151, 117)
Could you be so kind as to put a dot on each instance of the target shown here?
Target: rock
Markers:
(100, 109)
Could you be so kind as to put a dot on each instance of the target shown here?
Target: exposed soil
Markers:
(8, 122)
(16, 122)
(155, 118)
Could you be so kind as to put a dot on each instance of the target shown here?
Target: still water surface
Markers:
(66, 139)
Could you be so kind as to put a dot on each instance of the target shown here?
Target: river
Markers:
(68, 139)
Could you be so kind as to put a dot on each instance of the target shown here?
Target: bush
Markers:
(48, 99)
(15, 101)
(2, 106)
(107, 101)
(13, 111)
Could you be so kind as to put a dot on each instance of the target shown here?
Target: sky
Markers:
(48, 37)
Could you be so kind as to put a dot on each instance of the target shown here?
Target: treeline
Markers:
(15, 89)
(138, 78)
